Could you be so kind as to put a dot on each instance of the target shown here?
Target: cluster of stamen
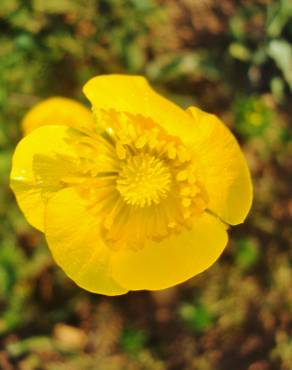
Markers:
(151, 181)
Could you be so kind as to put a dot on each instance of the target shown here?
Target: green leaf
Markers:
(281, 52)
(279, 13)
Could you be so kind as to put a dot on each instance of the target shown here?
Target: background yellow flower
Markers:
(54, 111)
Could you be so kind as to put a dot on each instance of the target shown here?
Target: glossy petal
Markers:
(160, 265)
(72, 232)
(134, 95)
(58, 111)
(40, 160)
(222, 166)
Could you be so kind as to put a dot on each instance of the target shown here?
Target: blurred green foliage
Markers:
(259, 36)
(247, 253)
(232, 58)
(196, 316)
(252, 116)
(132, 341)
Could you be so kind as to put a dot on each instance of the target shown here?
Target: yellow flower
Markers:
(56, 110)
(142, 198)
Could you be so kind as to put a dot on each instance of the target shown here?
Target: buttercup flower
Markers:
(138, 198)
(57, 110)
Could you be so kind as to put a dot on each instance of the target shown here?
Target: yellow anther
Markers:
(172, 224)
(152, 138)
(171, 151)
(153, 132)
(183, 154)
(120, 150)
(195, 190)
(182, 175)
(124, 138)
(187, 214)
(186, 202)
(141, 142)
(153, 143)
(186, 191)
(131, 131)
(192, 178)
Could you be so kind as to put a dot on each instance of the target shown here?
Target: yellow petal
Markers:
(58, 111)
(222, 167)
(160, 265)
(72, 232)
(40, 160)
(133, 94)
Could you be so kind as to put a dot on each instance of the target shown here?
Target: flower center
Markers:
(146, 183)
(143, 180)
